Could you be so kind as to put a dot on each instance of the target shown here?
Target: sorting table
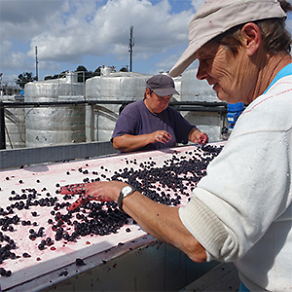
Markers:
(34, 268)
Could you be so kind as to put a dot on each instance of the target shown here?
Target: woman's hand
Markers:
(160, 136)
(161, 221)
(103, 191)
(196, 136)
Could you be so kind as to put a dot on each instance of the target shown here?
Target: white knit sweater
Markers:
(241, 210)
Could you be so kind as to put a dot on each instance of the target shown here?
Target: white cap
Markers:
(217, 16)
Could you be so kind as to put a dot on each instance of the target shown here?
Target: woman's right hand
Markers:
(161, 136)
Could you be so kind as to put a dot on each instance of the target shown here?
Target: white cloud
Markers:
(165, 63)
(11, 59)
(67, 32)
(22, 19)
(106, 29)
(198, 3)
(169, 61)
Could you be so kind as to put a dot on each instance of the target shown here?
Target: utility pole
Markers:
(131, 45)
(1, 88)
(36, 64)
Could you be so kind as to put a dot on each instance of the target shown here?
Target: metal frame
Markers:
(220, 107)
(59, 153)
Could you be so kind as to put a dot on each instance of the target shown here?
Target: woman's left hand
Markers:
(196, 136)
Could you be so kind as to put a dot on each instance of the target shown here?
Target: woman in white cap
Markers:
(241, 210)
(150, 124)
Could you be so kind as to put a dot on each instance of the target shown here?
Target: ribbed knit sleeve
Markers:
(205, 226)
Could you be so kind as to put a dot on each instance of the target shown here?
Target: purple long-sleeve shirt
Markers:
(136, 119)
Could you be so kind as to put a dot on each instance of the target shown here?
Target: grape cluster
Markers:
(7, 245)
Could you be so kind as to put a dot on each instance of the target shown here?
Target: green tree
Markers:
(25, 78)
(56, 76)
(124, 69)
(96, 72)
(83, 74)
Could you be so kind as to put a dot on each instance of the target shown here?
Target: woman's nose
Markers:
(201, 73)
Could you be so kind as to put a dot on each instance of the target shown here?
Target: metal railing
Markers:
(200, 106)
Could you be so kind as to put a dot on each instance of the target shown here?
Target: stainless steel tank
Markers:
(101, 118)
(14, 122)
(55, 125)
(193, 89)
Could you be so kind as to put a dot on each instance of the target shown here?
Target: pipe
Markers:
(93, 102)
(2, 127)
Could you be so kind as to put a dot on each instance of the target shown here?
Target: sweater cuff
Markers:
(205, 226)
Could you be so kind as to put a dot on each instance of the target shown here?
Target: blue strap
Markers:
(242, 288)
(287, 70)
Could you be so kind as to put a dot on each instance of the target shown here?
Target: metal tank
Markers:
(177, 84)
(14, 122)
(194, 90)
(53, 125)
(112, 86)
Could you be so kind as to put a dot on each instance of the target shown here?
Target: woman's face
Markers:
(155, 103)
(229, 75)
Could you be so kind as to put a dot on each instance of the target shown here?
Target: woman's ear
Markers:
(147, 92)
(252, 38)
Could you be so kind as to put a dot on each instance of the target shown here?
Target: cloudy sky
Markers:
(92, 33)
